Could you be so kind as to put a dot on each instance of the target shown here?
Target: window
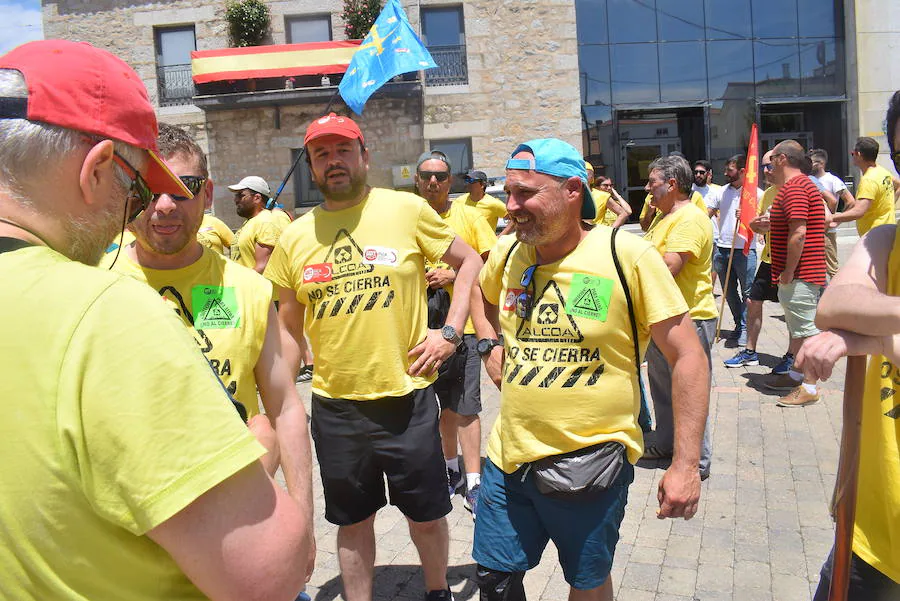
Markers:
(299, 30)
(306, 194)
(459, 153)
(173, 64)
(445, 38)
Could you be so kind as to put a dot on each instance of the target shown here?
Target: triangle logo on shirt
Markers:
(549, 322)
(346, 257)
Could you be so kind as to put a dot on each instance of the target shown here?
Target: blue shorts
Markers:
(515, 521)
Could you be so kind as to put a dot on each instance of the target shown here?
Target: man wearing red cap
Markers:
(351, 273)
(127, 472)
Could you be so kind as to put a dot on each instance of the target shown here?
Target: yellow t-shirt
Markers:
(696, 199)
(491, 207)
(282, 218)
(877, 185)
(601, 201)
(263, 228)
(214, 234)
(569, 379)
(877, 526)
(226, 307)
(360, 272)
(471, 226)
(114, 424)
(689, 230)
(126, 238)
(765, 203)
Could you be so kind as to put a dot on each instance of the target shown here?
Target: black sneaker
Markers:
(455, 481)
(445, 595)
(305, 374)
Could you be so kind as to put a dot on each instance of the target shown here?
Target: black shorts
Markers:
(358, 443)
(762, 288)
(866, 583)
(458, 387)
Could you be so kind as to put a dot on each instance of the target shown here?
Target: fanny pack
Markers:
(582, 473)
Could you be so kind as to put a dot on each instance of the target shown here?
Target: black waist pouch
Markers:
(579, 474)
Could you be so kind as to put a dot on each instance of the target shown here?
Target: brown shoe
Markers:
(798, 397)
(780, 382)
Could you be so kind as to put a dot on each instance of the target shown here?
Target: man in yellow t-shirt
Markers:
(227, 307)
(492, 208)
(569, 375)
(214, 234)
(874, 203)
(127, 472)
(683, 236)
(870, 283)
(458, 386)
(351, 272)
(255, 239)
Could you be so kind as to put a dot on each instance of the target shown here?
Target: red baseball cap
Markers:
(333, 124)
(77, 86)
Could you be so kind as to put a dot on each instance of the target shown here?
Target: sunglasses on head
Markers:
(525, 300)
(440, 176)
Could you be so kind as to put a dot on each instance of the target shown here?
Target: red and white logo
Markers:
(509, 303)
(320, 272)
(380, 255)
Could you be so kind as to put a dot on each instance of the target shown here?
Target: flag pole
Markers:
(300, 154)
(737, 223)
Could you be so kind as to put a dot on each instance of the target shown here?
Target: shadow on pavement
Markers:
(405, 582)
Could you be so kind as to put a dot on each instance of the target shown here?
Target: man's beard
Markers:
(351, 192)
(550, 228)
(90, 236)
(244, 211)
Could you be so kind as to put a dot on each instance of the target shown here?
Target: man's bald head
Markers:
(792, 151)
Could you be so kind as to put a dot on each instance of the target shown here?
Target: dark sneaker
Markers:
(456, 481)
(787, 362)
(305, 374)
(743, 358)
(780, 382)
(439, 595)
(471, 502)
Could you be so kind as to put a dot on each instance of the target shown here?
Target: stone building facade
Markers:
(520, 83)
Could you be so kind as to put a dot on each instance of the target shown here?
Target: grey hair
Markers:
(31, 150)
(677, 168)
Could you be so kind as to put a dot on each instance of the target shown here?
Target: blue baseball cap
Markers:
(557, 158)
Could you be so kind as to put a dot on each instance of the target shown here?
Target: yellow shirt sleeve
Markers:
(279, 269)
(656, 296)
(685, 237)
(224, 232)
(267, 232)
(491, 276)
(868, 188)
(433, 235)
(150, 426)
(482, 235)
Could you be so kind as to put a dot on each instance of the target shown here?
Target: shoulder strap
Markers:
(11, 244)
(508, 253)
(632, 321)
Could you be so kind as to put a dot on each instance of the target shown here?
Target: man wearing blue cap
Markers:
(573, 334)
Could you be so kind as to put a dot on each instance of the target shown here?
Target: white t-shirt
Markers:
(835, 185)
(707, 192)
(727, 201)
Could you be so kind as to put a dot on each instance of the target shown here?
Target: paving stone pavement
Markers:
(761, 533)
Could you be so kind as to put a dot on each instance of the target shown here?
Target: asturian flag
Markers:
(390, 49)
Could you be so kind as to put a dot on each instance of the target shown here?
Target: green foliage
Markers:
(358, 16)
(248, 22)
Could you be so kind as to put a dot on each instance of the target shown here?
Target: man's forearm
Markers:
(690, 406)
(462, 289)
(296, 454)
(859, 309)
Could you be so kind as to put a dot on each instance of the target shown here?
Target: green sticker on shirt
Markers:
(589, 296)
(215, 307)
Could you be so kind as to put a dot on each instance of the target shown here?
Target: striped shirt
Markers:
(799, 199)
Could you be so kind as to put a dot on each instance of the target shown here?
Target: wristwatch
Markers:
(450, 334)
(486, 345)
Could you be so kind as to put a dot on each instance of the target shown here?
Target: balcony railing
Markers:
(451, 66)
(176, 87)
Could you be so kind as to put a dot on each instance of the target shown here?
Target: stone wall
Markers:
(246, 142)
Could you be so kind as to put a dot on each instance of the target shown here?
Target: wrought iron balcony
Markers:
(176, 87)
(451, 70)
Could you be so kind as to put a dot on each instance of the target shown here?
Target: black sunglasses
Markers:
(139, 194)
(525, 300)
(699, 172)
(192, 182)
(440, 176)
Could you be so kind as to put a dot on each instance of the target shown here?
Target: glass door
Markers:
(636, 157)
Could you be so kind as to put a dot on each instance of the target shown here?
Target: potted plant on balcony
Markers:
(358, 17)
(248, 22)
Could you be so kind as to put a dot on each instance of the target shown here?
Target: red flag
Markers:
(749, 205)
